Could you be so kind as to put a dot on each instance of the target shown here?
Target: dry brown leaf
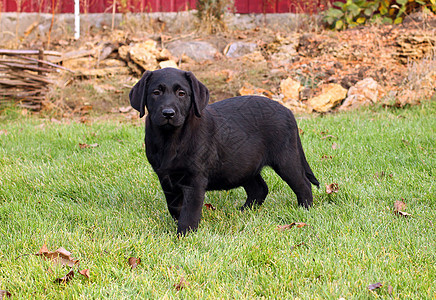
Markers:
(209, 206)
(288, 226)
(399, 207)
(66, 278)
(375, 286)
(83, 146)
(4, 294)
(84, 272)
(60, 255)
(331, 188)
(182, 284)
(134, 262)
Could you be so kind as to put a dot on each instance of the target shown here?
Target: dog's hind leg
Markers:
(257, 190)
(294, 175)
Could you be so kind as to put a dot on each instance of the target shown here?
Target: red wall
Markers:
(101, 6)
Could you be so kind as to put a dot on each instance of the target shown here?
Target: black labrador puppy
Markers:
(194, 147)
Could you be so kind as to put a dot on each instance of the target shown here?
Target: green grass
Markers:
(105, 205)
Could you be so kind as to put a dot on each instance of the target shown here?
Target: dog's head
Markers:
(169, 95)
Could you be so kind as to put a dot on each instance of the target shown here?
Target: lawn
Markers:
(103, 203)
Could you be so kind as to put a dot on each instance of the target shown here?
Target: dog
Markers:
(194, 147)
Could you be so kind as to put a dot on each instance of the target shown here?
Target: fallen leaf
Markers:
(182, 284)
(134, 262)
(375, 286)
(83, 146)
(84, 272)
(331, 188)
(4, 294)
(288, 226)
(60, 255)
(301, 131)
(209, 206)
(399, 207)
(66, 278)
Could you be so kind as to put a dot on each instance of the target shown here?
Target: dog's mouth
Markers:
(168, 125)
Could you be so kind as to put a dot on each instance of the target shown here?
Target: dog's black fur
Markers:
(194, 147)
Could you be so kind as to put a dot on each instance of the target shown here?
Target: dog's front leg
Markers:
(190, 215)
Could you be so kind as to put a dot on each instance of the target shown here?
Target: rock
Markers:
(196, 50)
(144, 54)
(290, 88)
(168, 64)
(332, 94)
(255, 56)
(414, 45)
(239, 49)
(365, 92)
(295, 106)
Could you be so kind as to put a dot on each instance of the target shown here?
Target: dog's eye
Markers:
(181, 93)
(156, 92)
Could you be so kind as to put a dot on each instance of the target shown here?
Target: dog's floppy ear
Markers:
(138, 94)
(199, 94)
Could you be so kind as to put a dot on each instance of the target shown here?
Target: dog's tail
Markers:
(307, 169)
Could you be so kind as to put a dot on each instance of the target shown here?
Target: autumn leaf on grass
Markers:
(66, 278)
(399, 207)
(331, 188)
(134, 262)
(83, 146)
(289, 226)
(375, 286)
(182, 284)
(4, 294)
(209, 206)
(84, 272)
(58, 256)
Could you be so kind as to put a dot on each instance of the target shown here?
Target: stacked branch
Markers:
(24, 77)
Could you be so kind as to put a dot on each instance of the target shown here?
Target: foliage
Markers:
(210, 14)
(357, 12)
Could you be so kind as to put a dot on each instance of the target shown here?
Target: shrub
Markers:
(210, 14)
(357, 12)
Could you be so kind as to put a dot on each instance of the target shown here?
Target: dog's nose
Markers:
(168, 113)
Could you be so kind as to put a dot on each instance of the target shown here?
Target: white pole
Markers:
(76, 19)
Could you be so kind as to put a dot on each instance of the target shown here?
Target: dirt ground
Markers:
(401, 59)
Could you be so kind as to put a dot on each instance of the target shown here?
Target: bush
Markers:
(210, 14)
(358, 12)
